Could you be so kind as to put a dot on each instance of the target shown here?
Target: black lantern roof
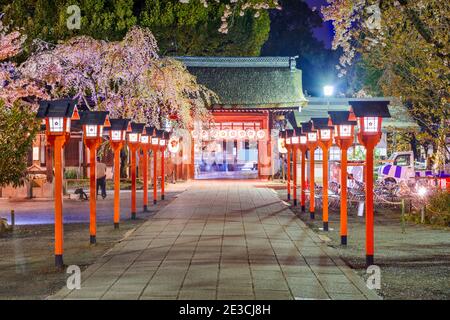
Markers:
(150, 131)
(370, 108)
(93, 117)
(298, 132)
(137, 127)
(56, 108)
(289, 133)
(321, 123)
(341, 118)
(118, 124)
(307, 127)
(160, 133)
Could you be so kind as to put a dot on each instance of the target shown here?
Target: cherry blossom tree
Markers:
(13, 85)
(126, 78)
(407, 44)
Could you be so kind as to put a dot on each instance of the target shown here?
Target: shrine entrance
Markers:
(231, 147)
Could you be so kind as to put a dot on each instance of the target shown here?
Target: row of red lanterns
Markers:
(58, 115)
(338, 128)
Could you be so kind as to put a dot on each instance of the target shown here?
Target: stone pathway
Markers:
(221, 240)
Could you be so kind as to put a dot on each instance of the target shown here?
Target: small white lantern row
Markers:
(230, 134)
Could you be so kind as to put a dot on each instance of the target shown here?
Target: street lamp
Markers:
(146, 146)
(344, 137)
(163, 147)
(289, 134)
(117, 137)
(58, 115)
(312, 143)
(328, 91)
(134, 140)
(325, 142)
(370, 115)
(93, 123)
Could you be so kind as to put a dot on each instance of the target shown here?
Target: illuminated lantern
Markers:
(232, 134)
(223, 134)
(295, 142)
(344, 137)
(213, 133)
(261, 134)
(325, 142)
(57, 115)
(370, 115)
(134, 141)
(195, 134)
(251, 134)
(117, 136)
(312, 143)
(242, 134)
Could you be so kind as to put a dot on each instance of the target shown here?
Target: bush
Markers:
(438, 208)
(71, 174)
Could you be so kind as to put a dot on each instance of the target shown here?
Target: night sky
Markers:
(325, 33)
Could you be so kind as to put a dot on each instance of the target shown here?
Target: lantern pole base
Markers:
(116, 225)
(369, 260)
(289, 197)
(93, 239)
(133, 216)
(312, 215)
(155, 202)
(59, 264)
(344, 240)
(325, 226)
(303, 209)
(145, 208)
(295, 202)
(162, 197)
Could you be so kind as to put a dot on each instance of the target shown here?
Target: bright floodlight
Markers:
(422, 191)
(328, 91)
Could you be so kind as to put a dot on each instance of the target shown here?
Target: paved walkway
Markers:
(221, 240)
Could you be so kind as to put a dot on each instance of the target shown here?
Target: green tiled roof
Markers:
(319, 107)
(266, 82)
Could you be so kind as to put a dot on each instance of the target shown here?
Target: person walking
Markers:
(101, 177)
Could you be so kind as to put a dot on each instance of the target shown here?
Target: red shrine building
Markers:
(254, 94)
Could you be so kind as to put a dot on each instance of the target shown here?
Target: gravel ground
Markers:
(27, 260)
(414, 264)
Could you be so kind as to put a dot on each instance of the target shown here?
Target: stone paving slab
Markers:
(221, 240)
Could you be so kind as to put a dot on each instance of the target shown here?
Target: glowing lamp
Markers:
(312, 136)
(57, 115)
(118, 129)
(134, 137)
(370, 115)
(93, 122)
(288, 141)
(295, 140)
(303, 140)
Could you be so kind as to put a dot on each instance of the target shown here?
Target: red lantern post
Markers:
(117, 137)
(343, 136)
(93, 123)
(58, 115)
(370, 115)
(288, 160)
(145, 146)
(163, 147)
(312, 143)
(303, 148)
(134, 138)
(325, 142)
(155, 148)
